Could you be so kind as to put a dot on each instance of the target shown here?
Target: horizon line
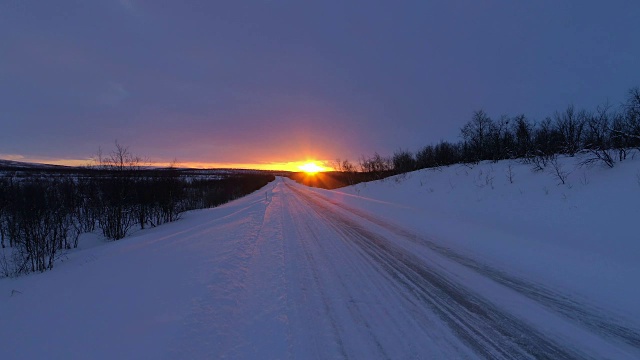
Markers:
(292, 166)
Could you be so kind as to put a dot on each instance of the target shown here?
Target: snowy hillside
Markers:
(582, 235)
(458, 262)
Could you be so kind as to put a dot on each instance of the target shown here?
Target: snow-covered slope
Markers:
(449, 263)
(582, 235)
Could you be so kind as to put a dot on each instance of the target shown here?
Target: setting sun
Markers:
(311, 168)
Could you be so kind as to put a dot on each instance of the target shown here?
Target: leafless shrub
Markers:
(599, 155)
(347, 168)
(510, 174)
(597, 137)
(485, 178)
(540, 161)
(43, 215)
(557, 171)
(377, 166)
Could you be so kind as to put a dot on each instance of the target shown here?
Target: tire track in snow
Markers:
(489, 331)
(310, 243)
(590, 316)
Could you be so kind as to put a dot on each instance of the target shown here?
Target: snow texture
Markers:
(457, 262)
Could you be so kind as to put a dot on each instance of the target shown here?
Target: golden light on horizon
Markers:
(308, 166)
(311, 168)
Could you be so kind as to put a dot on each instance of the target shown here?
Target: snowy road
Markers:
(402, 296)
(288, 272)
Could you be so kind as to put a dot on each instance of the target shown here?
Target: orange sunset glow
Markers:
(312, 168)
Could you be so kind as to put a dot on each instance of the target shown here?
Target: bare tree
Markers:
(626, 128)
(349, 170)
(403, 161)
(337, 165)
(119, 210)
(119, 159)
(426, 158)
(523, 133)
(547, 144)
(476, 134)
(376, 165)
(570, 126)
(597, 137)
(501, 141)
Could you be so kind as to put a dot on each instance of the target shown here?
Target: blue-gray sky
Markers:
(246, 82)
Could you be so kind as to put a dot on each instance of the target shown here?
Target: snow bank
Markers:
(582, 236)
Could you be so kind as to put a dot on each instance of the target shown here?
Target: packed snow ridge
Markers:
(491, 261)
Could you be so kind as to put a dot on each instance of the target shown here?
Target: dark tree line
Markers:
(607, 134)
(41, 215)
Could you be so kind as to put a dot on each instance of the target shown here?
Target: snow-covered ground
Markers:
(582, 235)
(458, 262)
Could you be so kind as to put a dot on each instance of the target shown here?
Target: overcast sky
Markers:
(249, 82)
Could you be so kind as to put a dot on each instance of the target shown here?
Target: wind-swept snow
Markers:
(436, 264)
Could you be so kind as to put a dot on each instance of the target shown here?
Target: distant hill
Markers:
(19, 165)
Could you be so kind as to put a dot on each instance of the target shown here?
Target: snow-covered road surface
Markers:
(289, 272)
